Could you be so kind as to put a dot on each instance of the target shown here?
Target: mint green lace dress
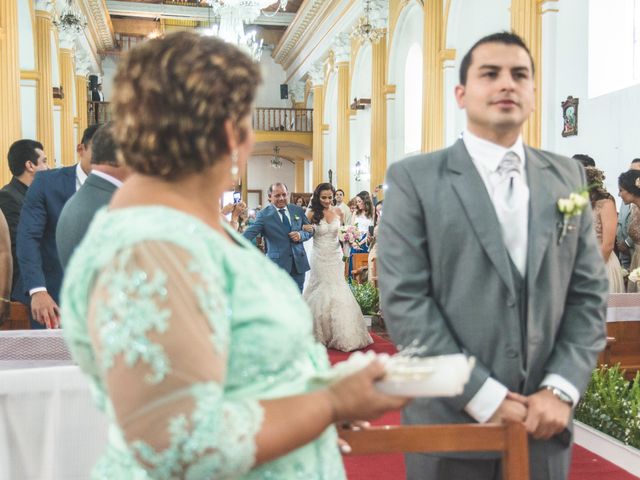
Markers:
(182, 333)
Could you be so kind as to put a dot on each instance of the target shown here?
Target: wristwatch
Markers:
(559, 394)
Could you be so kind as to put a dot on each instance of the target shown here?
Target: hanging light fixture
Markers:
(234, 15)
(71, 20)
(276, 161)
(364, 29)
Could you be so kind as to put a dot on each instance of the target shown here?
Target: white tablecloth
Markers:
(49, 426)
(623, 307)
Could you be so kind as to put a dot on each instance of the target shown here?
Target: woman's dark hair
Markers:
(368, 204)
(630, 181)
(172, 98)
(316, 206)
(595, 180)
(375, 217)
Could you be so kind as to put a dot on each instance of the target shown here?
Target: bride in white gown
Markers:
(337, 319)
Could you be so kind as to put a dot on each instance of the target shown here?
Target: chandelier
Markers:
(71, 20)
(276, 161)
(234, 15)
(364, 29)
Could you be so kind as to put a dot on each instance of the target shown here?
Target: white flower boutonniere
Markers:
(571, 207)
(296, 217)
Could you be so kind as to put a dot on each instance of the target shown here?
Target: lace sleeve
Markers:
(159, 324)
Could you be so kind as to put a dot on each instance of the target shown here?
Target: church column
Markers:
(432, 96)
(343, 170)
(526, 21)
(299, 170)
(10, 121)
(82, 70)
(317, 78)
(44, 91)
(66, 81)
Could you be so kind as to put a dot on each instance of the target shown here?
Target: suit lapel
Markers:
(543, 214)
(473, 195)
(70, 182)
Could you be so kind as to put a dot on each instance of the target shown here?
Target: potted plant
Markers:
(367, 297)
(607, 419)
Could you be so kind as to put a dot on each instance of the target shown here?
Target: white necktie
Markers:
(511, 201)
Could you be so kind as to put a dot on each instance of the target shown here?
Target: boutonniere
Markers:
(296, 217)
(571, 207)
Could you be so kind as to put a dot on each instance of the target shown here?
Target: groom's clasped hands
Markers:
(543, 414)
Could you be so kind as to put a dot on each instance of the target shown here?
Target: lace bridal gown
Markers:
(337, 319)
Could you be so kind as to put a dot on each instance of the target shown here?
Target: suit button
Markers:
(512, 353)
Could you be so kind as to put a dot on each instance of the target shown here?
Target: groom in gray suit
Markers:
(280, 223)
(475, 257)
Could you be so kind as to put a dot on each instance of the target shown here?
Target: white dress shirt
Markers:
(486, 156)
(107, 177)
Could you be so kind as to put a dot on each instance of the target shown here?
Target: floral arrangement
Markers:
(351, 235)
(634, 276)
(367, 297)
(571, 207)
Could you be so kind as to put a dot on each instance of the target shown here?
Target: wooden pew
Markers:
(18, 317)
(625, 347)
(511, 440)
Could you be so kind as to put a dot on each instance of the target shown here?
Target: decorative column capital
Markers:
(67, 39)
(379, 13)
(45, 6)
(297, 91)
(342, 47)
(317, 74)
(83, 64)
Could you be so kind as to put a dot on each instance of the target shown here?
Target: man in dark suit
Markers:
(40, 269)
(106, 176)
(97, 96)
(280, 224)
(26, 157)
(522, 288)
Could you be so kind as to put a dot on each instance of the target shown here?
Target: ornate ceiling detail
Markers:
(99, 26)
(307, 20)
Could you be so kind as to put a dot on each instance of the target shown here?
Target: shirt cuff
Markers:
(555, 380)
(36, 290)
(486, 400)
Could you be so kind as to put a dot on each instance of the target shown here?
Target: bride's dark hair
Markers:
(316, 207)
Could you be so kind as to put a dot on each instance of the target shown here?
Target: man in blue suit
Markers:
(281, 226)
(40, 269)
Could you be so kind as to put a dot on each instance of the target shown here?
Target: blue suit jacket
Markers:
(280, 248)
(36, 240)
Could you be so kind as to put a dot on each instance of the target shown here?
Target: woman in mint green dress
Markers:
(199, 348)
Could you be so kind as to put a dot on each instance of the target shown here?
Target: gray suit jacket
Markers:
(78, 212)
(446, 281)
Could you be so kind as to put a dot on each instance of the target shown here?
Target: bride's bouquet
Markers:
(351, 235)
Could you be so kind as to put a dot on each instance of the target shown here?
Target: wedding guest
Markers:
(362, 219)
(346, 211)
(6, 267)
(605, 221)
(300, 202)
(629, 192)
(203, 364)
(623, 241)
(373, 246)
(585, 160)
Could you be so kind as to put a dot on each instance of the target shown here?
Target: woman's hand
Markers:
(307, 228)
(355, 397)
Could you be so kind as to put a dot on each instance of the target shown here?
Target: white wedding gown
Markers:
(337, 320)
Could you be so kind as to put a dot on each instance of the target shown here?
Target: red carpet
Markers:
(584, 465)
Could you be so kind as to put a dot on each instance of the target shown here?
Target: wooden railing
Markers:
(264, 119)
(98, 112)
(283, 120)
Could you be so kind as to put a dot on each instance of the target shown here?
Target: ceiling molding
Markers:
(310, 36)
(180, 12)
(99, 23)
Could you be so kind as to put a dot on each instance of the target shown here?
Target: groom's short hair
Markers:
(277, 184)
(506, 38)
